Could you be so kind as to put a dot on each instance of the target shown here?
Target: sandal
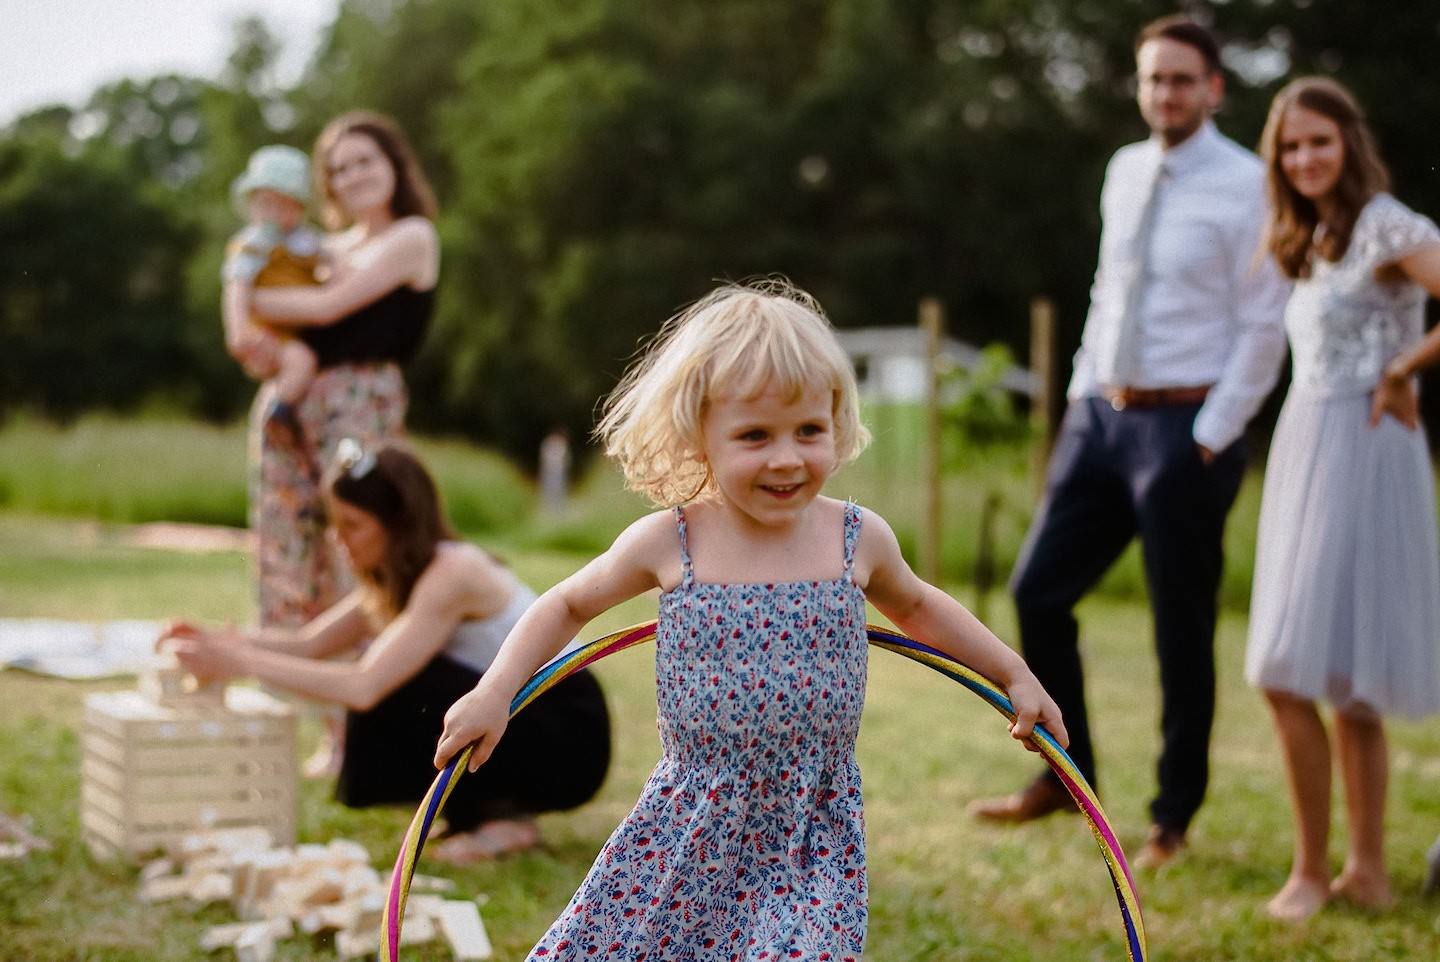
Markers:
(490, 840)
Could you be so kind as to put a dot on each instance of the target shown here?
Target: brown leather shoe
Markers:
(1163, 844)
(1040, 798)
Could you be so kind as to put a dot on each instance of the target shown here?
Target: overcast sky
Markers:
(61, 50)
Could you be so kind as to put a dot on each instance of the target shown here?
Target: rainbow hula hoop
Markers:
(561, 668)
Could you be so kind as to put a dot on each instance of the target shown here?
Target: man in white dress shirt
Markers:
(1182, 343)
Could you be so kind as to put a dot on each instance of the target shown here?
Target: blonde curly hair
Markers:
(740, 339)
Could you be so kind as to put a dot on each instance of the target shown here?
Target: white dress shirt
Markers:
(1210, 303)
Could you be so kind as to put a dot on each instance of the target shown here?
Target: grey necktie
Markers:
(1116, 367)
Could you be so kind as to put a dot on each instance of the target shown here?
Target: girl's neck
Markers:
(745, 527)
(732, 548)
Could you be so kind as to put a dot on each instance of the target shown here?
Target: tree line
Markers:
(601, 162)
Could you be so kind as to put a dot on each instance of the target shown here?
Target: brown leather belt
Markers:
(1121, 398)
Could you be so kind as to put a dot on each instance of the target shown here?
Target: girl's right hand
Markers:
(478, 717)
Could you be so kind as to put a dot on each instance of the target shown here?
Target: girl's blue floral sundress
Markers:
(748, 841)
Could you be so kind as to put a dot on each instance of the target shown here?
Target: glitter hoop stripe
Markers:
(566, 665)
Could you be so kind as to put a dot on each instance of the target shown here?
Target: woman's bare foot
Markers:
(325, 761)
(1298, 899)
(1363, 890)
(490, 840)
(329, 754)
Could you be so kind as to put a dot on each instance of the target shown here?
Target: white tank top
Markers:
(476, 642)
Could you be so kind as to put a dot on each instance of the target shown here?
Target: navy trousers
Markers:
(1114, 475)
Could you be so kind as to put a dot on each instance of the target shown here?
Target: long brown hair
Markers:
(1290, 232)
(412, 191)
(391, 485)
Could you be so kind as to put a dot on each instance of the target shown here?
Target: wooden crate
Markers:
(152, 772)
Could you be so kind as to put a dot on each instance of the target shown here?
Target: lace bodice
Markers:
(1344, 324)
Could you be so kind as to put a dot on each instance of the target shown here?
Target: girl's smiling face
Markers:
(770, 454)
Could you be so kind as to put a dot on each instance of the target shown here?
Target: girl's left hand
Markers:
(1034, 706)
(1396, 396)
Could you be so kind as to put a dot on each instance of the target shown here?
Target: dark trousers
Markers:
(1113, 475)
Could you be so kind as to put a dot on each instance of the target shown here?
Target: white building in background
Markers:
(890, 363)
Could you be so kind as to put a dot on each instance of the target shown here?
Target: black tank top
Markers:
(388, 329)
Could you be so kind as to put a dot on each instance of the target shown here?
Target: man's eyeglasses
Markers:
(354, 460)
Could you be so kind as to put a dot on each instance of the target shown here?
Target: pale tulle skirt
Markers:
(1346, 602)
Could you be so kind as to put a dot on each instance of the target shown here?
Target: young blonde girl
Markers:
(748, 839)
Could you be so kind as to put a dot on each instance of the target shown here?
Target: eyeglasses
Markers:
(353, 460)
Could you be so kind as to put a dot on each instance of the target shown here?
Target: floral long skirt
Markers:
(300, 572)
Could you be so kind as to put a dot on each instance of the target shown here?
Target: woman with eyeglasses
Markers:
(428, 617)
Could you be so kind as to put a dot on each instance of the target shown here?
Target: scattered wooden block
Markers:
(255, 874)
(255, 945)
(351, 943)
(157, 868)
(226, 936)
(297, 894)
(345, 850)
(329, 918)
(222, 841)
(16, 839)
(322, 887)
(463, 928)
(165, 888)
(431, 883)
(369, 909)
(212, 887)
(423, 905)
(360, 879)
(418, 930)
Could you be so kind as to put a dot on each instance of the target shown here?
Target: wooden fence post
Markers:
(985, 555)
(932, 322)
(1048, 403)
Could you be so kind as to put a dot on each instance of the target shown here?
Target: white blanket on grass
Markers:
(77, 649)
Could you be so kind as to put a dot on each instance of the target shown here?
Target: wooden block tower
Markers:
(169, 759)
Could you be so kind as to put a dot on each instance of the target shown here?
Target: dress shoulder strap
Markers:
(687, 568)
(853, 517)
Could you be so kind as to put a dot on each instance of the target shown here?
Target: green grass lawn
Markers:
(942, 887)
(164, 469)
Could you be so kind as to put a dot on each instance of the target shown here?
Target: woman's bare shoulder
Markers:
(414, 235)
(464, 578)
(469, 561)
(416, 226)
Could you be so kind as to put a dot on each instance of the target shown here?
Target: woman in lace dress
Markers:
(1346, 603)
